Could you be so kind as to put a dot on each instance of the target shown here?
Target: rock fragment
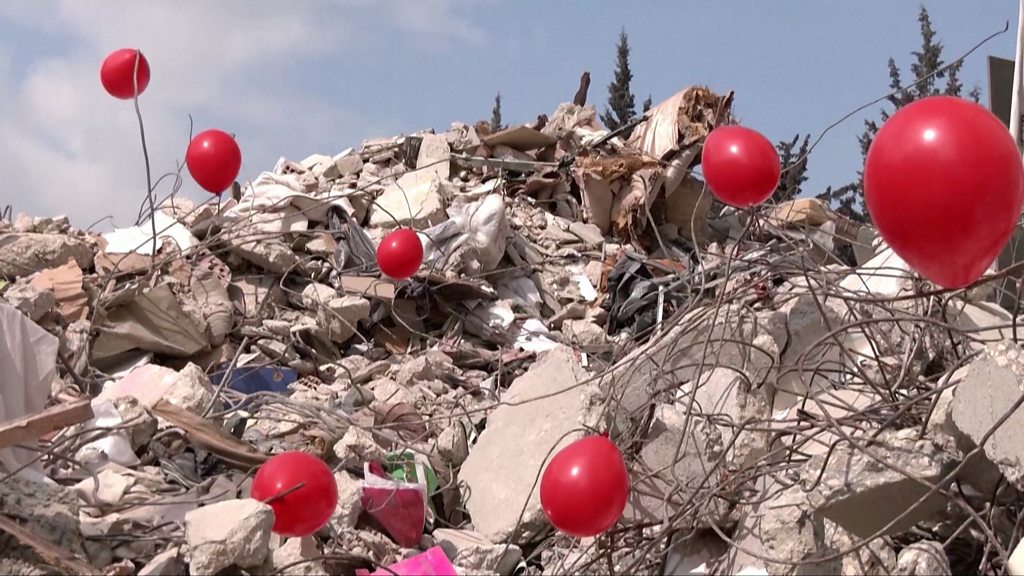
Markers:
(544, 406)
(230, 533)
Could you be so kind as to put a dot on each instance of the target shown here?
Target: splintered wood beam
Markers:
(30, 428)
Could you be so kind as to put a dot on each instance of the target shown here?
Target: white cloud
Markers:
(66, 147)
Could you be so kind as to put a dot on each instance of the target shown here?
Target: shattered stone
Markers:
(474, 552)
(859, 492)
(315, 295)
(431, 365)
(453, 445)
(808, 321)
(876, 559)
(339, 316)
(587, 336)
(25, 254)
(988, 391)
(191, 390)
(141, 425)
(785, 530)
(410, 202)
(349, 506)
(167, 563)
(271, 255)
(298, 556)
(357, 446)
(923, 559)
(231, 533)
(503, 464)
(672, 470)
(387, 391)
(31, 300)
(726, 394)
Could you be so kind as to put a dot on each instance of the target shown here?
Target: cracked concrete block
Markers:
(784, 529)
(859, 492)
(340, 316)
(230, 533)
(31, 300)
(988, 391)
(412, 202)
(25, 254)
(671, 470)
(808, 320)
(726, 395)
(539, 412)
(349, 506)
(699, 342)
(471, 550)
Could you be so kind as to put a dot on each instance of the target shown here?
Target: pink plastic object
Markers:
(433, 562)
(400, 507)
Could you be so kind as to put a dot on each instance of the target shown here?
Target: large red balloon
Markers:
(740, 166)
(944, 183)
(213, 159)
(308, 508)
(116, 73)
(400, 254)
(583, 490)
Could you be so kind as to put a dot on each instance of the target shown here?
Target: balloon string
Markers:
(281, 495)
(145, 151)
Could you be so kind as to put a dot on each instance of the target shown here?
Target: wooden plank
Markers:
(30, 428)
(49, 552)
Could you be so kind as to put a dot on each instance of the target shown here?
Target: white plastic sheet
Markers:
(28, 363)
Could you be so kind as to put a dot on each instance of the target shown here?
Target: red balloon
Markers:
(944, 183)
(308, 508)
(740, 166)
(400, 254)
(583, 490)
(116, 73)
(213, 159)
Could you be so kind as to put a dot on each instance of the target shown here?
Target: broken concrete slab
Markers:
(539, 411)
(298, 556)
(31, 300)
(189, 389)
(587, 336)
(810, 357)
(340, 316)
(25, 254)
(697, 342)
(726, 396)
(673, 469)
(268, 253)
(348, 508)
(230, 533)
(49, 511)
(988, 391)
(410, 202)
(471, 550)
(877, 557)
(860, 493)
(784, 530)
(170, 562)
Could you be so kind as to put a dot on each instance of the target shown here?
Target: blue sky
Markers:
(292, 79)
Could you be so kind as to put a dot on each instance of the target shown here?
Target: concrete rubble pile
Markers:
(789, 397)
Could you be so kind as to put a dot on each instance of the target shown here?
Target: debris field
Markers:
(788, 395)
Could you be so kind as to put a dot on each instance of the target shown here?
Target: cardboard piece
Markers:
(520, 138)
(66, 284)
